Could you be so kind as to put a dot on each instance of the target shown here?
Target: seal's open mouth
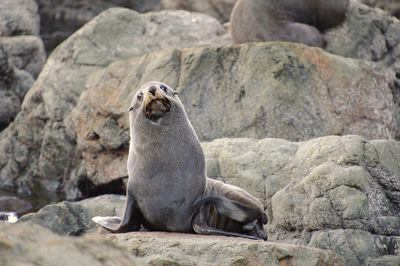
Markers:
(157, 108)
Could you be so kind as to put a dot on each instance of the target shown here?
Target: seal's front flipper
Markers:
(109, 222)
(130, 222)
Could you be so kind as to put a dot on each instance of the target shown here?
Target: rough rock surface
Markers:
(14, 83)
(370, 34)
(25, 52)
(38, 153)
(22, 54)
(393, 6)
(30, 244)
(336, 193)
(288, 90)
(219, 9)
(60, 20)
(14, 204)
(158, 248)
(19, 17)
(75, 218)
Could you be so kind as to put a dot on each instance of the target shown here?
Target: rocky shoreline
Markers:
(312, 133)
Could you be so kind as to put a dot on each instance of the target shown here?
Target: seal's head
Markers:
(154, 100)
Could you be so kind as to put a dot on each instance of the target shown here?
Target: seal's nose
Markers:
(152, 90)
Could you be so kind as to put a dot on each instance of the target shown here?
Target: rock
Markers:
(393, 6)
(39, 158)
(14, 84)
(30, 244)
(25, 52)
(370, 34)
(75, 218)
(11, 203)
(219, 9)
(361, 35)
(59, 20)
(160, 248)
(9, 107)
(289, 90)
(19, 17)
(62, 18)
(19, 55)
(357, 246)
(337, 193)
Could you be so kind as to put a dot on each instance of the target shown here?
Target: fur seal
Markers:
(167, 188)
(285, 20)
(227, 208)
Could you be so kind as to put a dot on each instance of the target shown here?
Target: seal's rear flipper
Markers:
(202, 229)
(229, 208)
(109, 222)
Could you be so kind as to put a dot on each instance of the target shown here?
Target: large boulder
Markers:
(38, 153)
(30, 244)
(75, 218)
(259, 90)
(19, 17)
(337, 193)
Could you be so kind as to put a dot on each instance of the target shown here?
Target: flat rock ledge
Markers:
(163, 248)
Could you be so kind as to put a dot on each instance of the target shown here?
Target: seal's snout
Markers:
(156, 104)
(152, 90)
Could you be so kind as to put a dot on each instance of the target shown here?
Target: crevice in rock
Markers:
(89, 189)
(388, 183)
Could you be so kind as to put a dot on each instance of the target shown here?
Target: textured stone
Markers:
(75, 218)
(14, 83)
(30, 244)
(219, 9)
(289, 90)
(188, 249)
(25, 52)
(61, 18)
(393, 6)
(19, 17)
(337, 193)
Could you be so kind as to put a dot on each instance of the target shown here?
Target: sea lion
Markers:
(285, 20)
(167, 188)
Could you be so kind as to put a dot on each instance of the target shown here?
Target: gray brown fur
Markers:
(285, 20)
(167, 175)
(243, 213)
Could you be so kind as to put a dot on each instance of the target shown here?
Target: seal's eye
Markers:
(130, 109)
(140, 95)
(163, 88)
